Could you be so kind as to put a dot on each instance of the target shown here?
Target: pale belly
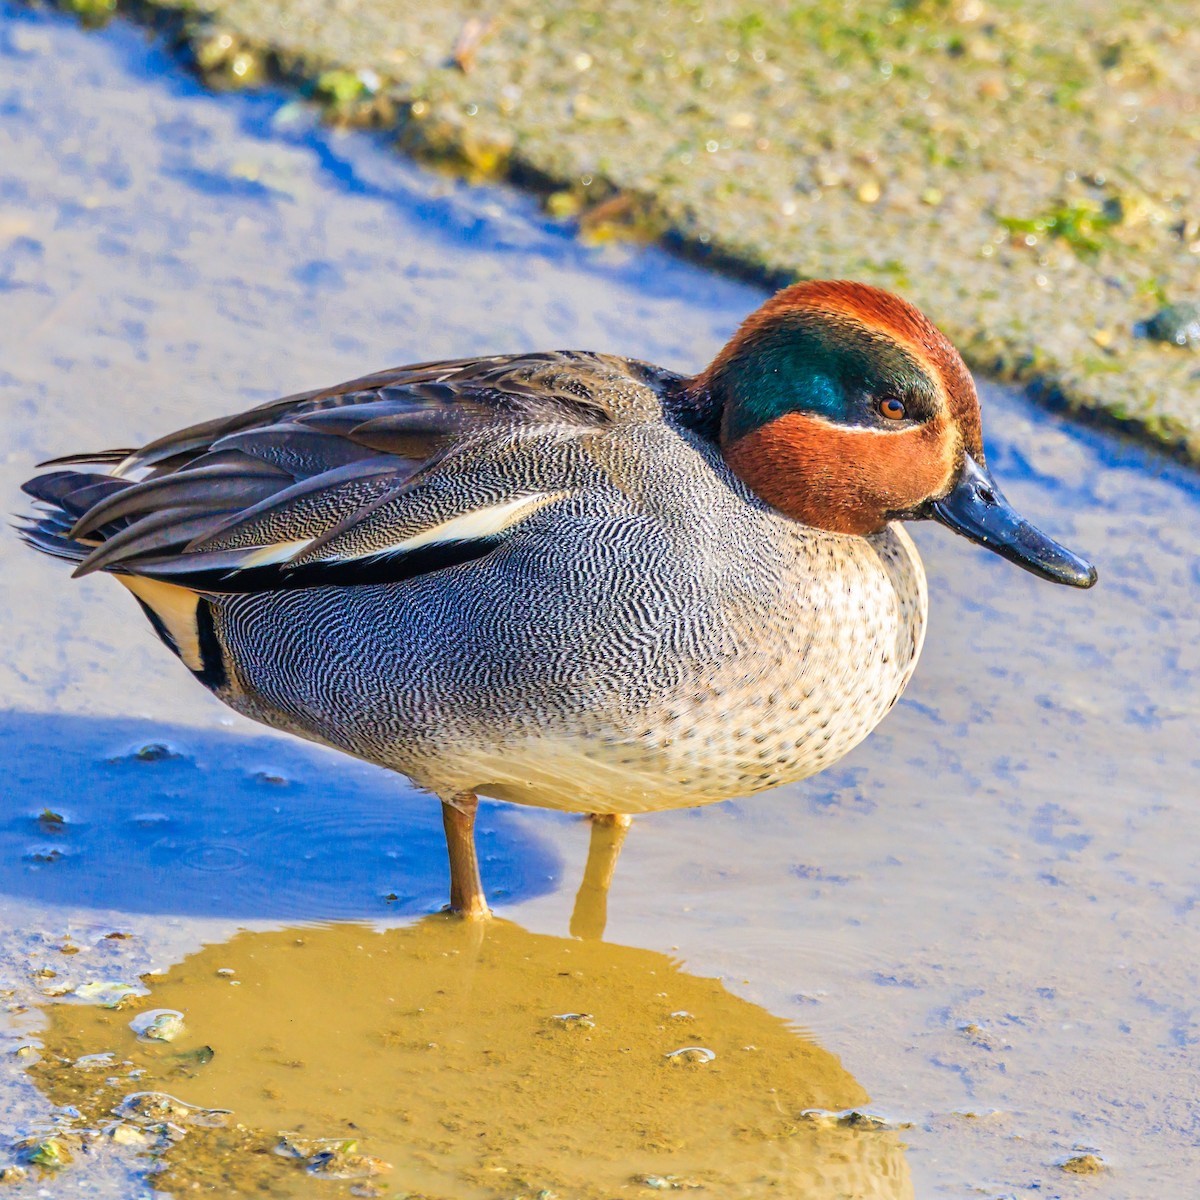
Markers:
(595, 775)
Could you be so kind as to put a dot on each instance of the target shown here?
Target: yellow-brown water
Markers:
(987, 914)
(475, 1062)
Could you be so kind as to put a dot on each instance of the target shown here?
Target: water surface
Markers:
(986, 915)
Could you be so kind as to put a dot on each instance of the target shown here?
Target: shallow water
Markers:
(475, 1062)
(984, 919)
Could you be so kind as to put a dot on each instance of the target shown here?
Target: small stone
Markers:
(45, 1152)
(337, 1164)
(860, 1120)
(1083, 1164)
(690, 1055)
(201, 1056)
(293, 1147)
(574, 1020)
(563, 204)
(869, 192)
(331, 1158)
(109, 993)
(155, 752)
(1177, 324)
(124, 1134)
(158, 1025)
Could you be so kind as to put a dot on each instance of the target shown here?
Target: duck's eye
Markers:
(891, 408)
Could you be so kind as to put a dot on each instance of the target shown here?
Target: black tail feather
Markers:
(62, 498)
(74, 492)
(49, 536)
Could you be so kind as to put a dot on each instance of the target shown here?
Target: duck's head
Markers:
(846, 408)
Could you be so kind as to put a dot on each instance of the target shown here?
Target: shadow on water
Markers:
(151, 818)
(453, 1059)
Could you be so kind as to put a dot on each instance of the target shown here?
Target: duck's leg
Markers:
(591, 902)
(466, 888)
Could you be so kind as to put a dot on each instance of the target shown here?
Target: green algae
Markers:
(92, 13)
(1018, 169)
(1083, 227)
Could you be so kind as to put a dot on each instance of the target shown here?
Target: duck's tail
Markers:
(62, 498)
(182, 618)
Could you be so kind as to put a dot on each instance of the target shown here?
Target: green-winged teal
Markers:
(567, 579)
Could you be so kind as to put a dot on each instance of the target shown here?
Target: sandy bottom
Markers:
(973, 942)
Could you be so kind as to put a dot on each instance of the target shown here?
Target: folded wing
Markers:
(385, 477)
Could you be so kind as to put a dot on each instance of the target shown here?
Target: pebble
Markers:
(691, 1054)
(108, 993)
(575, 1020)
(158, 1025)
(1083, 1164)
(124, 1134)
(44, 1152)
(1176, 324)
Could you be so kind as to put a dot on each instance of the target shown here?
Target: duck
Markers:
(566, 579)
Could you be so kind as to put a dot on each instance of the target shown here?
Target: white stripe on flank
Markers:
(277, 552)
(470, 526)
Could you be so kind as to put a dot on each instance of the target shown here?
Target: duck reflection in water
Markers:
(479, 1061)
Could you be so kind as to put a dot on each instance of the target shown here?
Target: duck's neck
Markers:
(691, 401)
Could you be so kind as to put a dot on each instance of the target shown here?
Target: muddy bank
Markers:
(1027, 172)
